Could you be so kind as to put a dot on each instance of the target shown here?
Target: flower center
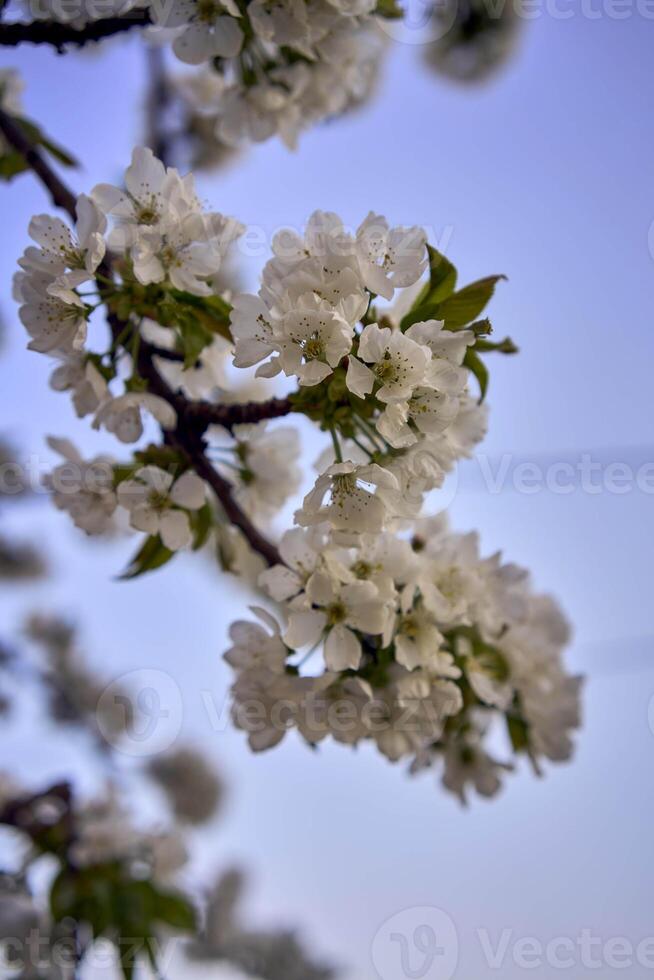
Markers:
(146, 213)
(385, 370)
(158, 500)
(208, 11)
(410, 626)
(344, 484)
(336, 613)
(314, 348)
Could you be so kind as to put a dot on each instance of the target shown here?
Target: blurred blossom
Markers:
(481, 39)
(266, 955)
(75, 692)
(19, 561)
(193, 789)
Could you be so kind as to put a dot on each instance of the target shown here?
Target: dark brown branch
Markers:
(158, 105)
(198, 460)
(58, 35)
(204, 413)
(192, 418)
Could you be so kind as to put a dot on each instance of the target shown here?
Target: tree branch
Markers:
(158, 105)
(58, 35)
(205, 413)
(192, 417)
(188, 436)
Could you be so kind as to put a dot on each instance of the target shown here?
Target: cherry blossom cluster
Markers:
(423, 643)
(396, 401)
(263, 67)
(159, 238)
(426, 648)
(303, 63)
(274, 67)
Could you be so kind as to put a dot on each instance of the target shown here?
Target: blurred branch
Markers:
(158, 104)
(61, 196)
(58, 35)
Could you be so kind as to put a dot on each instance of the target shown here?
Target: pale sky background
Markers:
(547, 175)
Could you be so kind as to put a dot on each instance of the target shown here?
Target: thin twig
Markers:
(57, 35)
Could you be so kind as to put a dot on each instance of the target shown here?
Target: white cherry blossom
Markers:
(253, 646)
(447, 345)
(158, 504)
(122, 416)
(83, 488)
(398, 364)
(54, 316)
(350, 498)
(81, 377)
(264, 470)
(338, 610)
(389, 257)
(70, 260)
(146, 202)
(210, 28)
(311, 341)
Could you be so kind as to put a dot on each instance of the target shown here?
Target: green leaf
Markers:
(58, 152)
(427, 311)
(212, 312)
(63, 895)
(165, 457)
(518, 733)
(175, 911)
(389, 9)
(442, 276)
(442, 283)
(505, 346)
(492, 661)
(474, 363)
(107, 899)
(201, 523)
(36, 135)
(193, 338)
(465, 306)
(12, 164)
(151, 555)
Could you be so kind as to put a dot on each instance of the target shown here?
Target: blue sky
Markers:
(546, 175)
